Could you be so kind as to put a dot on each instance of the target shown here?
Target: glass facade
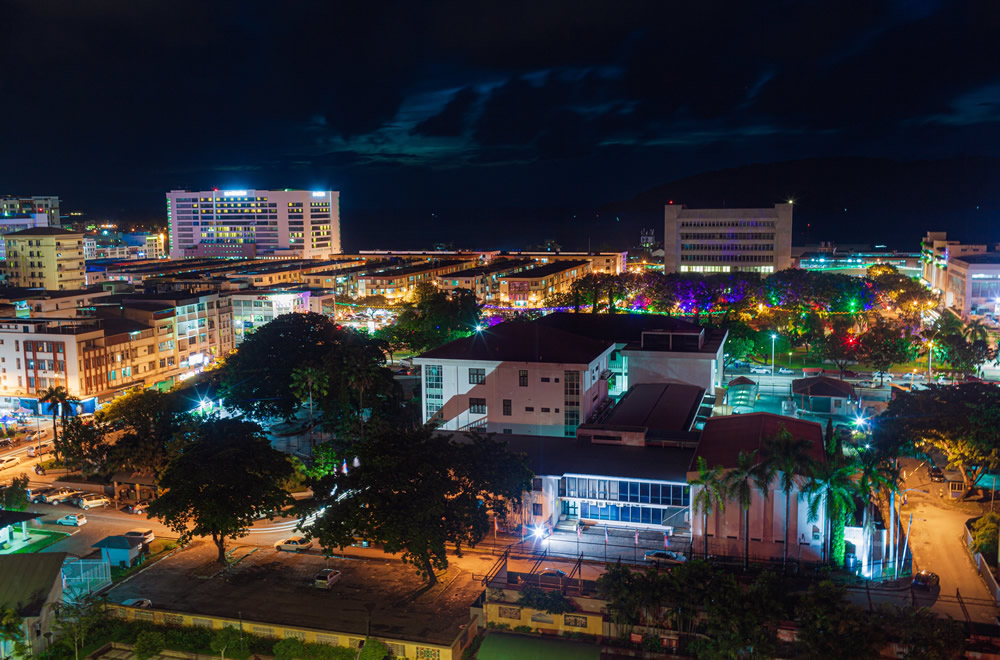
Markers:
(434, 389)
(571, 409)
(644, 502)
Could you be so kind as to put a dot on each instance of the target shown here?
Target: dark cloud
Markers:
(450, 122)
(595, 98)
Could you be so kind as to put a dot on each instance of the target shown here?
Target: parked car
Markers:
(882, 376)
(137, 602)
(139, 508)
(785, 370)
(552, 573)
(760, 370)
(62, 495)
(867, 383)
(39, 450)
(935, 473)
(6, 443)
(38, 495)
(92, 500)
(925, 580)
(293, 544)
(74, 519)
(848, 373)
(914, 376)
(9, 462)
(146, 535)
(664, 557)
(326, 578)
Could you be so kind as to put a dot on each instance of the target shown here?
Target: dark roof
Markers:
(986, 258)
(547, 269)
(550, 455)
(823, 386)
(659, 406)
(42, 231)
(723, 438)
(620, 328)
(741, 380)
(133, 478)
(26, 580)
(118, 542)
(14, 517)
(518, 341)
(496, 266)
(117, 325)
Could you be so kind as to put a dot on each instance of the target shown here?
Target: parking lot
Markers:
(277, 587)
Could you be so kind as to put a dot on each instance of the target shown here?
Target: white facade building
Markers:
(515, 378)
(248, 223)
(11, 223)
(19, 206)
(727, 240)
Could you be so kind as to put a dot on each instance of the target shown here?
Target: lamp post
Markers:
(895, 515)
(930, 361)
(773, 338)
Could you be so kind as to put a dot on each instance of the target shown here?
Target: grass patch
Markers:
(50, 537)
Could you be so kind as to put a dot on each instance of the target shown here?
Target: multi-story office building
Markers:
(398, 283)
(520, 378)
(531, 287)
(936, 251)
(727, 240)
(45, 257)
(972, 287)
(614, 263)
(21, 206)
(248, 223)
(12, 223)
(827, 257)
(254, 308)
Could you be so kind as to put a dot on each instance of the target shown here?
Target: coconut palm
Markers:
(307, 381)
(788, 458)
(832, 487)
(975, 331)
(748, 474)
(877, 475)
(711, 494)
(60, 400)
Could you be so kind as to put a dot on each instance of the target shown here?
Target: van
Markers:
(145, 535)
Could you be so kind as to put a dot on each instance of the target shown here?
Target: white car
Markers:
(914, 376)
(886, 376)
(137, 602)
(74, 519)
(39, 450)
(9, 462)
(92, 500)
(785, 370)
(760, 370)
(145, 535)
(293, 544)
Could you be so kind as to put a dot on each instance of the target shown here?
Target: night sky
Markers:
(419, 112)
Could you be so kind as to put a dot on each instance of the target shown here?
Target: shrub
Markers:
(289, 649)
(551, 602)
(373, 650)
(148, 643)
(985, 534)
(522, 629)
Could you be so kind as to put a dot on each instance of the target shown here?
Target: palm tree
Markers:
(711, 495)
(975, 331)
(787, 457)
(305, 382)
(740, 483)
(877, 474)
(60, 400)
(831, 486)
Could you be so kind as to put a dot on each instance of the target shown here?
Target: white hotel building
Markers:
(254, 223)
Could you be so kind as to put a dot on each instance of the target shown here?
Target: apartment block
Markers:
(27, 205)
(530, 288)
(727, 240)
(13, 223)
(249, 223)
(45, 257)
(614, 263)
(398, 283)
(485, 280)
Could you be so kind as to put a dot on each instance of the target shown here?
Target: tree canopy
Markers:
(415, 491)
(226, 478)
(435, 317)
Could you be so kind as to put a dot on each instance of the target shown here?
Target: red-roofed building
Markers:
(722, 440)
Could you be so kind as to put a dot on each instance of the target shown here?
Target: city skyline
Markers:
(470, 107)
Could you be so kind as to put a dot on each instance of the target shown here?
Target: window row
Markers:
(643, 492)
(646, 515)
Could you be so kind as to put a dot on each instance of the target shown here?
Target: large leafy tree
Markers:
(435, 317)
(840, 349)
(76, 619)
(15, 496)
(256, 380)
(148, 432)
(226, 478)
(413, 492)
(831, 627)
(84, 445)
(961, 421)
(883, 345)
(308, 382)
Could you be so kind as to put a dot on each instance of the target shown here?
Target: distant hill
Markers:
(850, 200)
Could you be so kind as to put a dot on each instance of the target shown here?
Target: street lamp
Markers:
(930, 361)
(773, 337)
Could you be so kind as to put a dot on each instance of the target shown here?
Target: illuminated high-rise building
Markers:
(13, 205)
(254, 223)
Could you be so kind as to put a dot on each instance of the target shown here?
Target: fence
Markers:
(85, 576)
(982, 567)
